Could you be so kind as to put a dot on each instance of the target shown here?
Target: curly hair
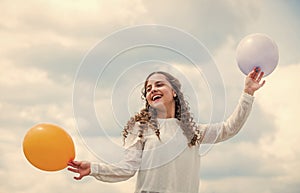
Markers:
(147, 117)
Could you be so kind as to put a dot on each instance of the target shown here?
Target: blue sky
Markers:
(44, 42)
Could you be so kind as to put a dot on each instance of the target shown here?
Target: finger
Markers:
(75, 163)
(73, 170)
(262, 84)
(260, 76)
(256, 70)
(78, 178)
(252, 74)
(72, 164)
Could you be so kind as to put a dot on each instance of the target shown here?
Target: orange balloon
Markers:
(48, 147)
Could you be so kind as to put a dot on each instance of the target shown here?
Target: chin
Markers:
(158, 107)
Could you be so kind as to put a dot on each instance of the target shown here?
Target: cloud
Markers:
(283, 28)
(66, 18)
(22, 177)
(209, 21)
(54, 36)
(271, 158)
(285, 109)
(44, 42)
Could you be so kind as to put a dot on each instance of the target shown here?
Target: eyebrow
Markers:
(159, 81)
(156, 82)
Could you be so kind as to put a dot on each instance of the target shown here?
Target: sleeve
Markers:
(124, 169)
(218, 132)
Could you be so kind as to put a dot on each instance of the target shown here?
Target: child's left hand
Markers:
(252, 82)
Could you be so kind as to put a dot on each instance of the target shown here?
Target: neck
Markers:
(166, 114)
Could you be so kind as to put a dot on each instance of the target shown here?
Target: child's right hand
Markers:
(83, 168)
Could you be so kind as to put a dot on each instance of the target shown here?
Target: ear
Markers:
(174, 94)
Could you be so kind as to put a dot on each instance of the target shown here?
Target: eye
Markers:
(159, 84)
(148, 89)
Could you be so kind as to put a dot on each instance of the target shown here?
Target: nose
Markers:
(153, 90)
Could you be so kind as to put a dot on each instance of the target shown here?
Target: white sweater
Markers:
(169, 165)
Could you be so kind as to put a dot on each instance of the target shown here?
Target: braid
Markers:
(146, 118)
(153, 122)
(187, 123)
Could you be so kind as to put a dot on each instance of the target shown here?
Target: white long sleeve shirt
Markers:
(169, 165)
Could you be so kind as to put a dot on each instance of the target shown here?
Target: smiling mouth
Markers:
(156, 97)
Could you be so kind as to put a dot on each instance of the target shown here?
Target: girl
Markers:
(162, 141)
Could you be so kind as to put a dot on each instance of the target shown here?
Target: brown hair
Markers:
(148, 116)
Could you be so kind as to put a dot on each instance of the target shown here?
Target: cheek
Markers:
(147, 98)
(168, 94)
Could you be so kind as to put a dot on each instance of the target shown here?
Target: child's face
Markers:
(160, 94)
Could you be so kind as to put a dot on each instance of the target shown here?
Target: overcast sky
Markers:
(43, 44)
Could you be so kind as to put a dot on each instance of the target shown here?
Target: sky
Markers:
(46, 44)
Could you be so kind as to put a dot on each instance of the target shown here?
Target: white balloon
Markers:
(257, 50)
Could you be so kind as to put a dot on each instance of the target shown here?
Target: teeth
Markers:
(156, 97)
